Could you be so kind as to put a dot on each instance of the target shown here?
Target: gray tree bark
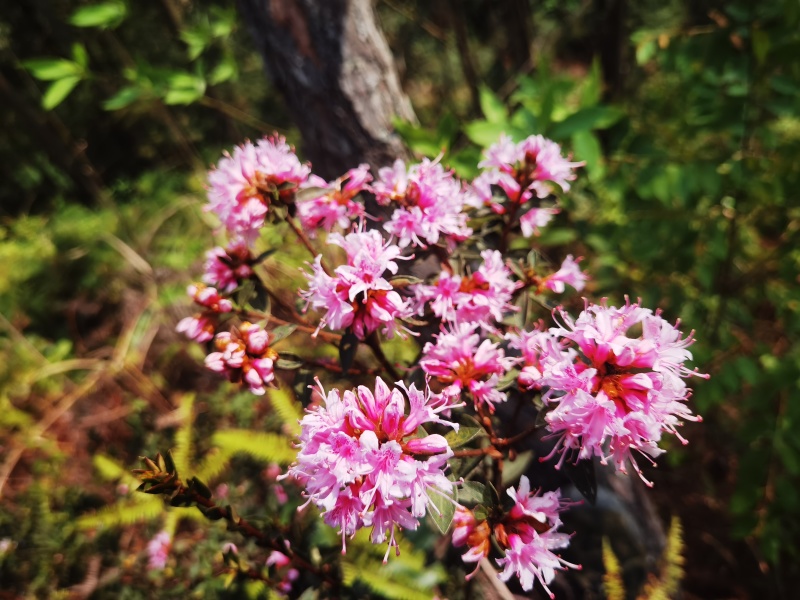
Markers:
(334, 68)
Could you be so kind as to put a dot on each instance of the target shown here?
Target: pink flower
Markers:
(336, 204)
(429, 202)
(535, 218)
(226, 268)
(242, 186)
(358, 295)
(460, 359)
(621, 393)
(569, 273)
(483, 296)
(529, 537)
(244, 356)
(527, 534)
(201, 327)
(537, 348)
(361, 465)
(158, 551)
(467, 531)
(532, 165)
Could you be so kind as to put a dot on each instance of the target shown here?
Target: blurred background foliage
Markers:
(685, 112)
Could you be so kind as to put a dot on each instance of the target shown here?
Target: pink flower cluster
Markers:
(620, 393)
(524, 171)
(527, 533)
(158, 551)
(244, 356)
(461, 360)
(226, 268)
(243, 185)
(361, 465)
(429, 202)
(358, 295)
(201, 327)
(336, 204)
(481, 297)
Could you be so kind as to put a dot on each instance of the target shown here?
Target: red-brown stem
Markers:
(249, 530)
(307, 243)
(375, 345)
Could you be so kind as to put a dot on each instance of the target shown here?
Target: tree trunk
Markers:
(333, 66)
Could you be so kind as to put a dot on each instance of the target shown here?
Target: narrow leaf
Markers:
(58, 91)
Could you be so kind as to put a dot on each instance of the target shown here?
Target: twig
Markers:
(375, 345)
(307, 243)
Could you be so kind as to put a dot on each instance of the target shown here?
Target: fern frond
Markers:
(612, 579)
(380, 583)
(287, 408)
(111, 470)
(667, 584)
(125, 512)
(183, 452)
(213, 464)
(269, 447)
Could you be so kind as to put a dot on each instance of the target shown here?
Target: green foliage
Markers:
(408, 576)
(664, 585)
(269, 447)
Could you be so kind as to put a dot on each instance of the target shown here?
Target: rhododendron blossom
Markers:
(226, 268)
(429, 201)
(459, 358)
(483, 296)
(244, 355)
(201, 327)
(361, 465)
(529, 168)
(243, 185)
(527, 533)
(358, 295)
(537, 348)
(535, 218)
(336, 204)
(621, 393)
(569, 273)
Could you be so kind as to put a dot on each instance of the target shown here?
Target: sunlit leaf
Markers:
(58, 91)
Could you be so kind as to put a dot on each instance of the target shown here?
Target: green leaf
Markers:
(463, 436)
(473, 492)
(268, 447)
(484, 133)
(51, 69)
(442, 511)
(104, 15)
(594, 117)
(587, 148)
(80, 55)
(196, 39)
(224, 71)
(58, 91)
(645, 51)
(184, 88)
(282, 332)
(493, 108)
(125, 97)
